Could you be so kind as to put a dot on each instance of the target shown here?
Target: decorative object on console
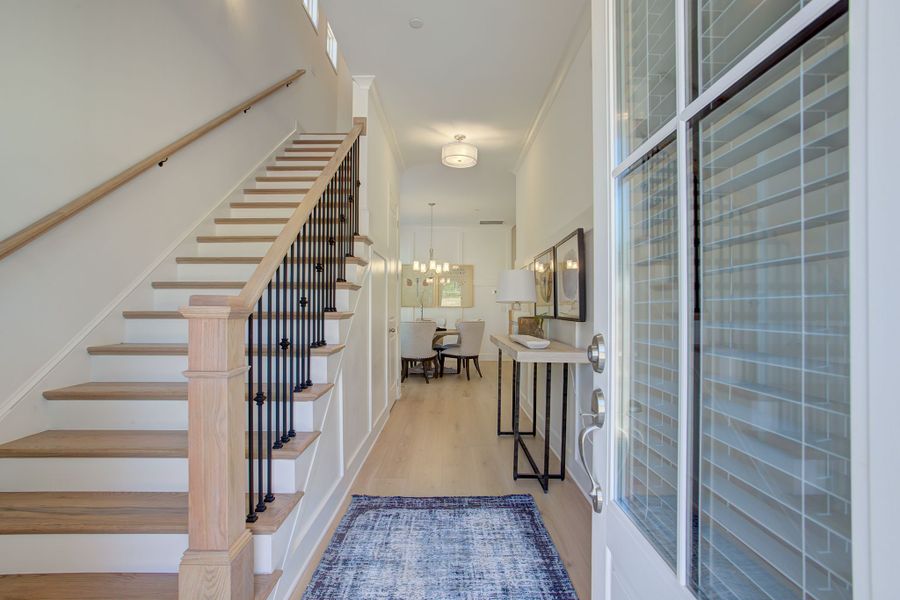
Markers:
(533, 326)
(570, 276)
(545, 285)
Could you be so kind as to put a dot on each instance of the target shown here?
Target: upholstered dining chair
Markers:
(468, 348)
(415, 347)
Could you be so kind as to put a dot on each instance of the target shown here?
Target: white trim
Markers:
(860, 472)
(23, 390)
(644, 149)
(576, 40)
(367, 83)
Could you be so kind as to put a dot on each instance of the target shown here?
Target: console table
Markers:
(555, 353)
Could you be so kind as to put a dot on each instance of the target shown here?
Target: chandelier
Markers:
(431, 268)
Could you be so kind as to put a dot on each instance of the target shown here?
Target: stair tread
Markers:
(151, 390)
(29, 513)
(284, 179)
(109, 586)
(174, 314)
(247, 260)
(243, 239)
(157, 349)
(123, 443)
(227, 285)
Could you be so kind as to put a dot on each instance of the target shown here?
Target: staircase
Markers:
(99, 508)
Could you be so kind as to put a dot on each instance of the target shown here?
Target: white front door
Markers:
(723, 251)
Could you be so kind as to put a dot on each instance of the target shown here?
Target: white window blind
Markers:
(646, 70)
(647, 427)
(772, 496)
(728, 29)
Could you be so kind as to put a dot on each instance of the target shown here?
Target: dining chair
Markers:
(467, 350)
(415, 347)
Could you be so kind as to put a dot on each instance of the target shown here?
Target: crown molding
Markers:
(579, 34)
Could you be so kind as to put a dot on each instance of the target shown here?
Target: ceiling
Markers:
(477, 67)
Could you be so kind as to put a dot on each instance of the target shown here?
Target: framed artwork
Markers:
(416, 290)
(456, 287)
(545, 285)
(570, 277)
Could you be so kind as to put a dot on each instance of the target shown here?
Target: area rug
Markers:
(467, 547)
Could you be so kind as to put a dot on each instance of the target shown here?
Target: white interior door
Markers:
(722, 286)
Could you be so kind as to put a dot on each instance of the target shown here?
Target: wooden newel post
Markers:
(218, 563)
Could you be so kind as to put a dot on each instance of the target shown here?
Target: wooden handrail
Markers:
(270, 263)
(43, 225)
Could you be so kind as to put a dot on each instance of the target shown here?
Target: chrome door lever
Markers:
(598, 418)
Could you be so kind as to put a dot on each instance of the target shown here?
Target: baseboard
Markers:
(28, 386)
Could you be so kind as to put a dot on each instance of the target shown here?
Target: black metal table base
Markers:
(542, 475)
(517, 370)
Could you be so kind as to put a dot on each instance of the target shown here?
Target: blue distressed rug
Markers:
(473, 548)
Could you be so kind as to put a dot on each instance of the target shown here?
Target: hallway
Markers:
(441, 441)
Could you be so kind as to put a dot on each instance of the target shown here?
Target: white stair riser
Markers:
(257, 213)
(233, 248)
(282, 161)
(280, 185)
(244, 229)
(176, 331)
(175, 299)
(284, 197)
(128, 553)
(237, 272)
(143, 414)
(171, 368)
(337, 137)
(120, 475)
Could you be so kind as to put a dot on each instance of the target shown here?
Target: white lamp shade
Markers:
(459, 155)
(516, 285)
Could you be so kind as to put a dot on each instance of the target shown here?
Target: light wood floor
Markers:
(441, 441)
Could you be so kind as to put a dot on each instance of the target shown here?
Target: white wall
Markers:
(487, 247)
(554, 194)
(91, 87)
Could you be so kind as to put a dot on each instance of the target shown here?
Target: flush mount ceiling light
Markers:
(416, 23)
(459, 154)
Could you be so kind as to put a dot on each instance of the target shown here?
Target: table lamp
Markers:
(514, 287)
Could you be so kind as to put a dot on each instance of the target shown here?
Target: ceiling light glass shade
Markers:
(446, 267)
(459, 155)
(415, 265)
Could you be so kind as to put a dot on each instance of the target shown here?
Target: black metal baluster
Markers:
(260, 400)
(356, 185)
(307, 295)
(295, 328)
(269, 495)
(276, 316)
(332, 245)
(285, 345)
(251, 514)
(320, 314)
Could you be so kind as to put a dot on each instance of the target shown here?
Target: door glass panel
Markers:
(646, 70)
(726, 30)
(772, 476)
(647, 423)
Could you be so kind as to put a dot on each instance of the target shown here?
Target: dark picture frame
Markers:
(545, 284)
(569, 271)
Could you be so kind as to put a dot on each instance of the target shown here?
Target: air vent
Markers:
(490, 222)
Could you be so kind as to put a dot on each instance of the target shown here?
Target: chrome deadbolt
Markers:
(596, 353)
